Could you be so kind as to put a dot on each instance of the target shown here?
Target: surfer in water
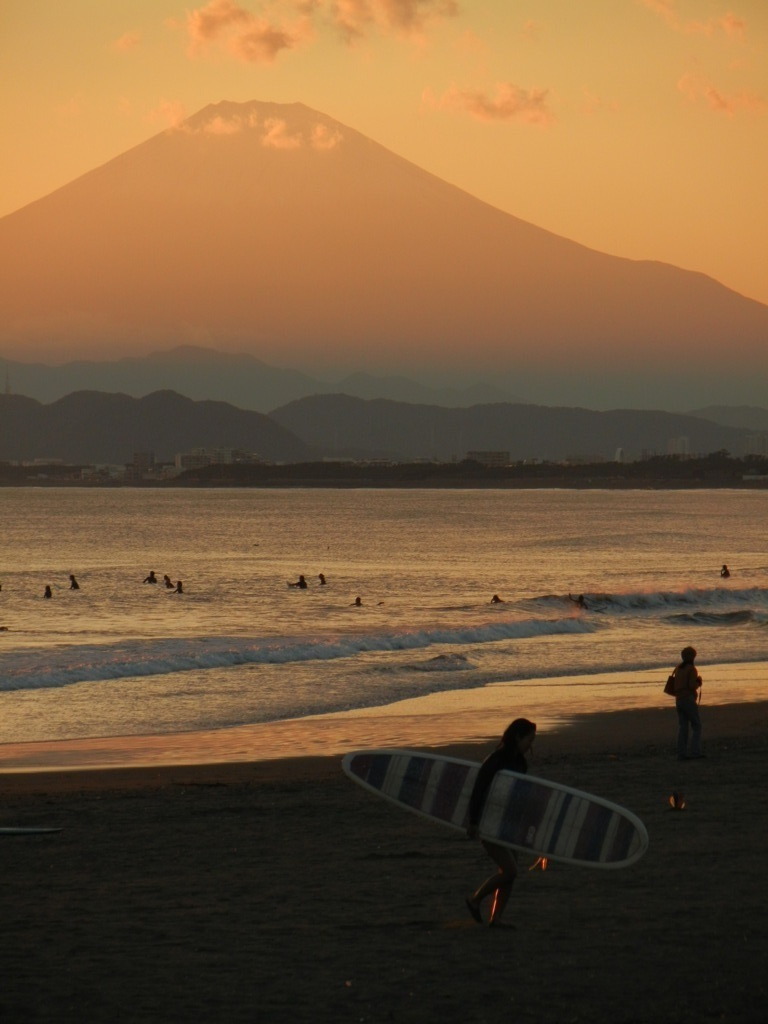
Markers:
(725, 572)
(47, 592)
(580, 600)
(151, 578)
(301, 583)
(509, 755)
(73, 584)
(496, 599)
(167, 582)
(322, 579)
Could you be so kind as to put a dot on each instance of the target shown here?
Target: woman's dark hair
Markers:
(516, 730)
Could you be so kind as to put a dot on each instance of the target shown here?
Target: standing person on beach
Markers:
(509, 755)
(687, 694)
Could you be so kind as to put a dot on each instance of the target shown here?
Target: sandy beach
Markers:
(277, 890)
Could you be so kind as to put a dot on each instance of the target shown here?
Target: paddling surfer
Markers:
(509, 755)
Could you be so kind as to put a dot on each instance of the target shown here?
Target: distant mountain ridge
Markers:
(93, 427)
(238, 378)
(749, 417)
(277, 230)
(342, 426)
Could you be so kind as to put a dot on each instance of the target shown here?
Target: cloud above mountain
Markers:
(244, 35)
(509, 102)
(272, 132)
(235, 30)
(730, 24)
(697, 88)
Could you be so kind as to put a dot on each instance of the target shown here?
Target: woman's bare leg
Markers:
(499, 883)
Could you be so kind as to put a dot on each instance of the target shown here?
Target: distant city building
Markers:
(197, 458)
(143, 462)
(619, 456)
(756, 444)
(489, 458)
(141, 467)
(583, 460)
(679, 446)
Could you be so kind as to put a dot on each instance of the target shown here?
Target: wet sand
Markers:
(277, 890)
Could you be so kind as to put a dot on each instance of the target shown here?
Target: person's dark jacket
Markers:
(502, 759)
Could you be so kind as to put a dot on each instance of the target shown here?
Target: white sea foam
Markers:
(91, 663)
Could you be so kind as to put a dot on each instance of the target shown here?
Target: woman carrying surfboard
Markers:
(509, 755)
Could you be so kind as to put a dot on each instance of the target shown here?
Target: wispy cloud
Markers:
(324, 137)
(592, 103)
(126, 42)
(509, 102)
(698, 89)
(271, 132)
(244, 35)
(276, 135)
(286, 24)
(169, 113)
(355, 19)
(730, 24)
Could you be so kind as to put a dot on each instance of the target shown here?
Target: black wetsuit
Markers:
(502, 758)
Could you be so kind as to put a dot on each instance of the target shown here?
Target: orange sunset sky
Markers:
(636, 127)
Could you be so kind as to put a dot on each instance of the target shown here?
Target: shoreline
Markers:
(607, 735)
(455, 718)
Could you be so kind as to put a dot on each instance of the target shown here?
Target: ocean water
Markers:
(239, 646)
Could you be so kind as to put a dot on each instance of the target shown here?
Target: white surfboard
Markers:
(520, 811)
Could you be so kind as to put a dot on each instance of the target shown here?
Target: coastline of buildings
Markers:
(220, 466)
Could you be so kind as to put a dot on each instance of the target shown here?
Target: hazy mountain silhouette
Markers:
(354, 428)
(96, 427)
(93, 427)
(239, 379)
(275, 230)
(748, 416)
